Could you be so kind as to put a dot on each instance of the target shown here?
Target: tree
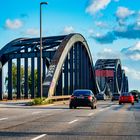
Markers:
(14, 78)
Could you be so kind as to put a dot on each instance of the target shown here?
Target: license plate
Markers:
(80, 97)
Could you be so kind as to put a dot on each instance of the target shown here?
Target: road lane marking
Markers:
(90, 114)
(101, 109)
(37, 112)
(73, 121)
(1, 119)
(38, 137)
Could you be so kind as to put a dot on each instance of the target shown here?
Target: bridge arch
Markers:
(75, 48)
(109, 75)
(67, 59)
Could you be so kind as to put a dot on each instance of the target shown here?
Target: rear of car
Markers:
(82, 98)
(126, 97)
(101, 96)
(115, 97)
(136, 97)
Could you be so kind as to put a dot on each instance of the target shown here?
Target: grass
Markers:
(40, 101)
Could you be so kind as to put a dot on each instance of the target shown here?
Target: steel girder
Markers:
(26, 48)
(76, 44)
(109, 74)
(59, 55)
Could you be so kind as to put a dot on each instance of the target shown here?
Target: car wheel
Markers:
(120, 103)
(70, 106)
(74, 107)
(132, 103)
(92, 107)
(95, 107)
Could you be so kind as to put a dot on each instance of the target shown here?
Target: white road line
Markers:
(1, 119)
(37, 112)
(38, 137)
(90, 114)
(101, 109)
(73, 121)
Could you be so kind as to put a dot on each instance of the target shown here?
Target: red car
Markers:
(126, 97)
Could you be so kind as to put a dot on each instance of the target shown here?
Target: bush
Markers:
(40, 101)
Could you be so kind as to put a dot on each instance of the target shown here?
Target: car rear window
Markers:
(116, 94)
(126, 94)
(82, 92)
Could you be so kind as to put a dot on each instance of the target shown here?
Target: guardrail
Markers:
(59, 98)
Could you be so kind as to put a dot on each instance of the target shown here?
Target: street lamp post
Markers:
(42, 3)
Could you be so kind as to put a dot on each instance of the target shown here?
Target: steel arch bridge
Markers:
(110, 76)
(67, 65)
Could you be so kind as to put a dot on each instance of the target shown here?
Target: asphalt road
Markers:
(109, 121)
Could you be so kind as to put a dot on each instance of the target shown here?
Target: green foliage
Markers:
(41, 101)
(14, 79)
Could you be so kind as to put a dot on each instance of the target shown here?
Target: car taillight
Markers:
(121, 97)
(72, 97)
(131, 97)
(90, 97)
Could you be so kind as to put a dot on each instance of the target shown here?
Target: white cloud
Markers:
(13, 24)
(97, 5)
(68, 30)
(135, 47)
(90, 32)
(108, 53)
(101, 24)
(123, 12)
(134, 74)
(108, 50)
(133, 52)
(135, 57)
(32, 32)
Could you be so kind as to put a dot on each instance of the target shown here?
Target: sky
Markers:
(111, 27)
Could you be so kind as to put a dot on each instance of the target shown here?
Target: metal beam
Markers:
(75, 67)
(10, 97)
(71, 71)
(26, 77)
(18, 79)
(32, 78)
(1, 95)
(66, 90)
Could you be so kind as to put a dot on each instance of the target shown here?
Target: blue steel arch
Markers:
(53, 48)
(52, 77)
(115, 83)
(27, 48)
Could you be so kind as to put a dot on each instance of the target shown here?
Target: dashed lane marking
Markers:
(1, 119)
(73, 121)
(36, 112)
(38, 137)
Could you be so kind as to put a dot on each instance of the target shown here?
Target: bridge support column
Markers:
(75, 68)
(44, 68)
(59, 86)
(10, 97)
(87, 77)
(66, 90)
(83, 68)
(26, 78)
(71, 71)
(18, 79)
(1, 95)
(32, 77)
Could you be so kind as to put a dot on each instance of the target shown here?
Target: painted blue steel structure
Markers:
(67, 65)
(117, 82)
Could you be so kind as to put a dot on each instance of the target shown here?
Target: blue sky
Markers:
(111, 27)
